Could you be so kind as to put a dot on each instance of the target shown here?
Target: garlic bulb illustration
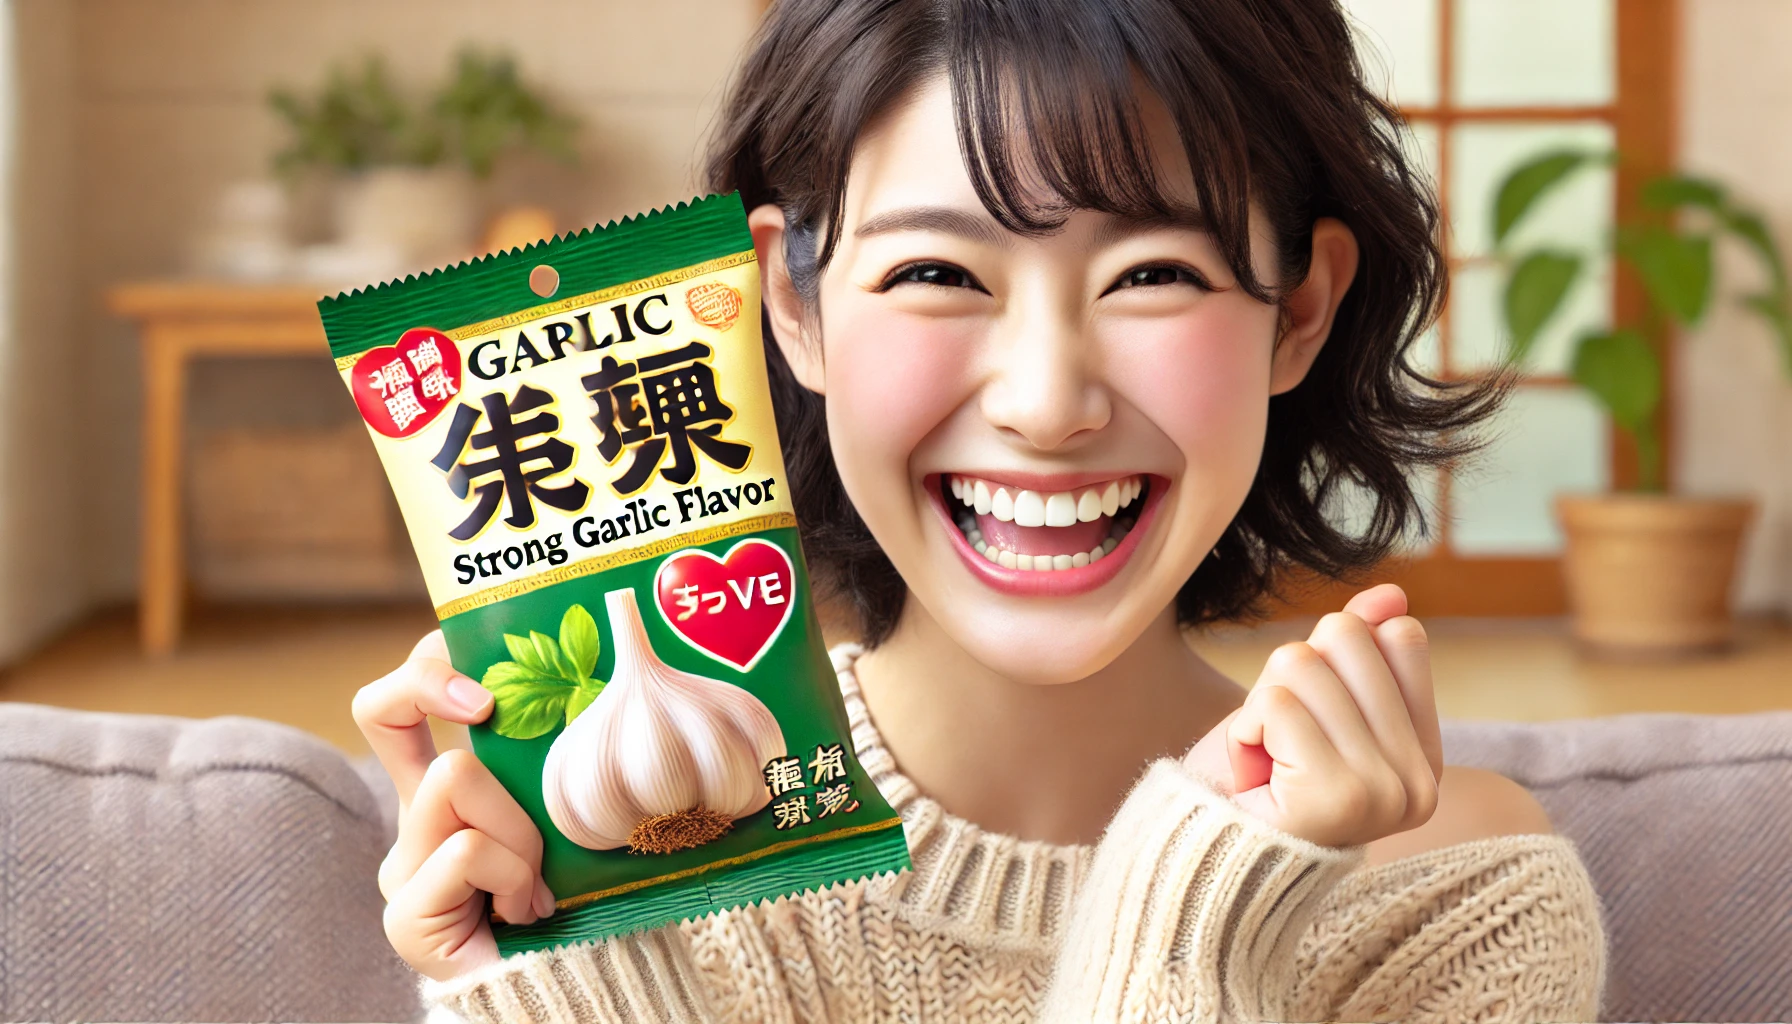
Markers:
(662, 760)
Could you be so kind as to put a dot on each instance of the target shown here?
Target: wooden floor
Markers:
(302, 666)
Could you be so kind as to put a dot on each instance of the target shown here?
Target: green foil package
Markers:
(581, 440)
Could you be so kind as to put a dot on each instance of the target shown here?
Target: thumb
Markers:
(1210, 758)
(1251, 763)
(1254, 767)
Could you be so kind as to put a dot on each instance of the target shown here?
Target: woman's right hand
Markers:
(1338, 743)
(460, 833)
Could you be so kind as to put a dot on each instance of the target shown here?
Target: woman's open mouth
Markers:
(1041, 538)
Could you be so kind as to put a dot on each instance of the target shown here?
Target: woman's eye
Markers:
(1162, 274)
(943, 275)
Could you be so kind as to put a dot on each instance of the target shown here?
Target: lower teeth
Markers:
(1037, 563)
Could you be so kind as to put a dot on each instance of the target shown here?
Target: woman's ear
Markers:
(783, 305)
(1312, 307)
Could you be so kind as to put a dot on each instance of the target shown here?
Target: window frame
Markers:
(1644, 117)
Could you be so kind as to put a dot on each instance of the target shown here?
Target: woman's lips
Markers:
(1086, 544)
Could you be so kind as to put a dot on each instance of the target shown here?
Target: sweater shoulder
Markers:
(1507, 926)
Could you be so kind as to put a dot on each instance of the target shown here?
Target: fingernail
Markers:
(468, 694)
(544, 899)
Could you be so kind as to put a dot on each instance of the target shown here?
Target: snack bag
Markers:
(581, 440)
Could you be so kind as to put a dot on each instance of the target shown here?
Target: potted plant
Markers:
(406, 168)
(1648, 572)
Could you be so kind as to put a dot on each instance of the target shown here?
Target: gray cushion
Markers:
(157, 869)
(164, 869)
(1685, 823)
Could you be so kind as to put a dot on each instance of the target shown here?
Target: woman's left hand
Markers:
(1338, 743)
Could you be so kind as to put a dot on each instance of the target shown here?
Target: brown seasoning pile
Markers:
(680, 830)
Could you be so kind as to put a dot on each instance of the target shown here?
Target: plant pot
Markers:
(426, 216)
(1650, 575)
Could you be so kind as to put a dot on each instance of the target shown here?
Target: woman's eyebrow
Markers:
(945, 219)
(1114, 229)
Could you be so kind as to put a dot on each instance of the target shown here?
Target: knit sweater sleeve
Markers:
(1195, 911)
(646, 978)
(1496, 930)
(1192, 911)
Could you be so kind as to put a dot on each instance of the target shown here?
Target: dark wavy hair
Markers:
(1271, 107)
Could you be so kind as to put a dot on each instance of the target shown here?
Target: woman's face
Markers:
(1045, 434)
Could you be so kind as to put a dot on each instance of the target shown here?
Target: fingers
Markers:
(1407, 651)
(467, 863)
(457, 793)
(1350, 766)
(436, 921)
(392, 711)
(1307, 769)
(432, 645)
(1349, 648)
(1300, 668)
(1378, 604)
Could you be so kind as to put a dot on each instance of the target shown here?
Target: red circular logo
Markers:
(401, 388)
(714, 304)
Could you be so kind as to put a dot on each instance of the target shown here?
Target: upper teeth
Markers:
(1045, 508)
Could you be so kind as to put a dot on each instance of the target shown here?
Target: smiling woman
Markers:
(1135, 114)
(1082, 310)
(1118, 344)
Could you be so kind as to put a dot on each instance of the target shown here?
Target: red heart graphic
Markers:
(730, 608)
(401, 388)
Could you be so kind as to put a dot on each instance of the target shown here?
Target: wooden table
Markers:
(179, 321)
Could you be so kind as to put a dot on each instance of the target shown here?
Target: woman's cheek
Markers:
(891, 380)
(1203, 381)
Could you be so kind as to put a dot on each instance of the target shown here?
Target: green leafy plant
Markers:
(360, 119)
(547, 682)
(1621, 366)
(486, 110)
(356, 121)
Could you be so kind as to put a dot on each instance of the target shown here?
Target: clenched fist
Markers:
(1338, 742)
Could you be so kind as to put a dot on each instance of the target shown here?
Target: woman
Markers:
(1156, 263)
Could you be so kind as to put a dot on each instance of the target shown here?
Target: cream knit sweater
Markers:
(1187, 910)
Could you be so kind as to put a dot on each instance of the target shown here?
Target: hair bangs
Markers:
(1050, 117)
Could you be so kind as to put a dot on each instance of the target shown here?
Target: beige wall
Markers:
(170, 105)
(1735, 422)
(41, 570)
(135, 112)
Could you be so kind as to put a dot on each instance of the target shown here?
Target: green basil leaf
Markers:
(1533, 294)
(526, 703)
(579, 640)
(582, 698)
(523, 653)
(549, 653)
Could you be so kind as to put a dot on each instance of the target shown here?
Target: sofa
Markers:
(157, 868)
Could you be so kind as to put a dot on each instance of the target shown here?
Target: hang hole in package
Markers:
(580, 436)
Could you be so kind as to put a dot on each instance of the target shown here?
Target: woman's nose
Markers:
(1045, 383)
